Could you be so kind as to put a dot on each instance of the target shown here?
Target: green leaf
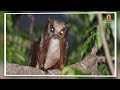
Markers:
(101, 66)
(98, 38)
(67, 71)
(108, 34)
(20, 57)
(103, 69)
(71, 71)
(90, 29)
(84, 49)
(91, 17)
(113, 30)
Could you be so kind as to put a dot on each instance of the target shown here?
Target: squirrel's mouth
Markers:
(56, 36)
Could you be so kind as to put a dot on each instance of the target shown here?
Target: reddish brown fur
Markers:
(39, 54)
(34, 53)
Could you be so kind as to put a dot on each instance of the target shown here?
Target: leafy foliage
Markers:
(103, 69)
(17, 44)
(89, 34)
(71, 71)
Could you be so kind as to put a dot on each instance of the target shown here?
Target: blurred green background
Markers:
(1, 36)
(83, 33)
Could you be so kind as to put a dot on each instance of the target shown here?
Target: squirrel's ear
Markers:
(50, 20)
(67, 25)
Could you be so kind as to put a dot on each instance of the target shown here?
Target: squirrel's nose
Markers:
(56, 36)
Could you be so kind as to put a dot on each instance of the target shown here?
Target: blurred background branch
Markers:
(31, 27)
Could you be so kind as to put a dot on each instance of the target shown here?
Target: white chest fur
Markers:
(53, 53)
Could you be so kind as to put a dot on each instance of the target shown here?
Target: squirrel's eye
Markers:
(61, 32)
(52, 29)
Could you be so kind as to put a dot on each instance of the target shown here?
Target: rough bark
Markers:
(89, 65)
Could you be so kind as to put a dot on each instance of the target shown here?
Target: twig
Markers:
(107, 53)
(31, 17)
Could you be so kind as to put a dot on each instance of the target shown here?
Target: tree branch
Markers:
(106, 50)
(87, 65)
(31, 17)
